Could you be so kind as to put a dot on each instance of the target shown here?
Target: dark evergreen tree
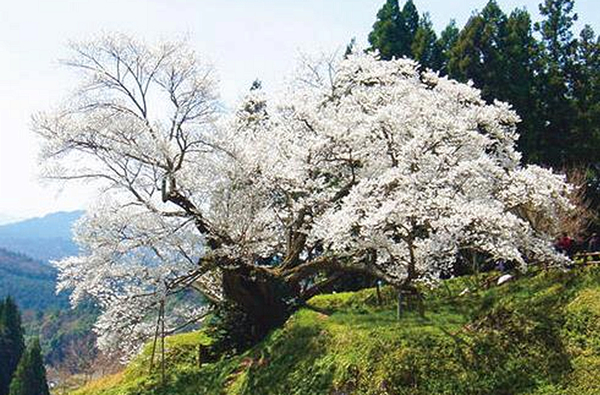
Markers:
(448, 39)
(30, 376)
(394, 30)
(554, 82)
(502, 57)
(586, 96)
(478, 53)
(11, 342)
(387, 31)
(410, 17)
(556, 31)
(426, 48)
(466, 59)
(504, 60)
(521, 55)
(585, 80)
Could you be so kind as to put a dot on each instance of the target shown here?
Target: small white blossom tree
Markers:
(362, 166)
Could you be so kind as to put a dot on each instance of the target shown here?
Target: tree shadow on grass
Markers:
(296, 362)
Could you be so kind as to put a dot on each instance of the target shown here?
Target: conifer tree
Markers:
(478, 53)
(521, 54)
(446, 42)
(425, 47)
(501, 56)
(586, 75)
(11, 342)
(394, 30)
(466, 60)
(412, 23)
(586, 95)
(554, 83)
(556, 31)
(387, 30)
(30, 376)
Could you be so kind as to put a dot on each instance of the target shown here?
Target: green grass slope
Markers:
(537, 335)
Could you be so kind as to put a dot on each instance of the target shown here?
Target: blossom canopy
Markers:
(361, 166)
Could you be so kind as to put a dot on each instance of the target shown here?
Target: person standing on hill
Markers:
(565, 244)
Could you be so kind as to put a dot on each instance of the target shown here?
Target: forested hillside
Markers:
(65, 335)
(30, 282)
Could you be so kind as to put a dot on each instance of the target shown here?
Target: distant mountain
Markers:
(7, 219)
(46, 238)
(32, 283)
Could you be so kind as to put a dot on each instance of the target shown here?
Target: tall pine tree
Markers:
(426, 48)
(394, 30)
(501, 56)
(554, 82)
(521, 54)
(585, 81)
(11, 342)
(387, 31)
(410, 17)
(448, 39)
(556, 31)
(478, 53)
(30, 376)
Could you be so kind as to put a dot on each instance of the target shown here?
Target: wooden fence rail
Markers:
(587, 258)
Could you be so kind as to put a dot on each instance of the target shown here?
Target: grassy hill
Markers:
(537, 335)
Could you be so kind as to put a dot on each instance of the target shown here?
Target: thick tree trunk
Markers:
(268, 297)
(263, 296)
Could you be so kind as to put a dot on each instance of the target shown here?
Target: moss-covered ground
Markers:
(537, 335)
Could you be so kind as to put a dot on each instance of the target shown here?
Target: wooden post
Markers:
(201, 354)
(162, 336)
(158, 318)
(399, 307)
(421, 304)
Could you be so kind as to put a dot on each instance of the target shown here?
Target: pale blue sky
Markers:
(244, 39)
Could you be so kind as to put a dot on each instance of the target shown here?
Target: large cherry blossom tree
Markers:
(360, 166)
